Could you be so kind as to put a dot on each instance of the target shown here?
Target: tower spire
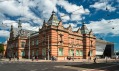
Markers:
(11, 27)
(19, 24)
(53, 20)
(53, 12)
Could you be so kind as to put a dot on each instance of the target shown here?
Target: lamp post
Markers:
(48, 47)
(29, 46)
(57, 42)
(89, 47)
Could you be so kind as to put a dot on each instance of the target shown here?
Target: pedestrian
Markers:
(36, 58)
(52, 58)
(9, 58)
(17, 58)
(73, 57)
(33, 58)
(95, 59)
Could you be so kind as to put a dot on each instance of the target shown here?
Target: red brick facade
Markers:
(54, 38)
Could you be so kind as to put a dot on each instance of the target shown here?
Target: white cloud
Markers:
(105, 26)
(7, 24)
(76, 17)
(64, 17)
(14, 8)
(103, 6)
(27, 26)
(46, 7)
(4, 33)
(77, 11)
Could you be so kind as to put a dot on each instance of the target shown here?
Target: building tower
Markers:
(88, 42)
(11, 32)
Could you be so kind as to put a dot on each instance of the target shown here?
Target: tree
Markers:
(1, 48)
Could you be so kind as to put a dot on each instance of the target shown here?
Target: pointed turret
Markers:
(43, 21)
(53, 20)
(19, 28)
(11, 28)
(84, 29)
(19, 24)
(44, 24)
(11, 32)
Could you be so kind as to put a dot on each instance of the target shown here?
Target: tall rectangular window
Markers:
(32, 42)
(37, 53)
(37, 42)
(71, 52)
(23, 53)
(77, 52)
(60, 52)
(81, 53)
(91, 52)
(23, 44)
(44, 52)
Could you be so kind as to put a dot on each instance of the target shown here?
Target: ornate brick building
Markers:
(52, 40)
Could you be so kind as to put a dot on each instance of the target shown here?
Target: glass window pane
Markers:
(32, 42)
(37, 53)
(81, 52)
(37, 42)
(44, 52)
(72, 52)
(23, 44)
(23, 53)
(60, 53)
(77, 52)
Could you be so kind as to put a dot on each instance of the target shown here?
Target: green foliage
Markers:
(1, 48)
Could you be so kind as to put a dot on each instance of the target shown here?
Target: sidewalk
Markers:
(26, 60)
(81, 60)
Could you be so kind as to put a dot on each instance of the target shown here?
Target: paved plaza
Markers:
(44, 65)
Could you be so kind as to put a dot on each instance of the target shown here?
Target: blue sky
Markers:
(102, 16)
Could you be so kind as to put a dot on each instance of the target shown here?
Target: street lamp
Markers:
(48, 47)
(57, 42)
(29, 46)
(89, 47)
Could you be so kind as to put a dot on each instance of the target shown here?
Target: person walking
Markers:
(36, 58)
(95, 59)
(9, 57)
(17, 58)
(73, 57)
(33, 58)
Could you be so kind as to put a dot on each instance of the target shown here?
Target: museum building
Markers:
(52, 40)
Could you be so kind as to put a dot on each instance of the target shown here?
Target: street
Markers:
(57, 66)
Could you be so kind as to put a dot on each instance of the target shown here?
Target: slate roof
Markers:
(53, 19)
(23, 32)
(84, 29)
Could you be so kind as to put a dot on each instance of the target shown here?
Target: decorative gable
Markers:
(79, 31)
(70, 28)
(60, 26)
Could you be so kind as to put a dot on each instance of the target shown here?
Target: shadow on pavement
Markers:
(97, 66)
